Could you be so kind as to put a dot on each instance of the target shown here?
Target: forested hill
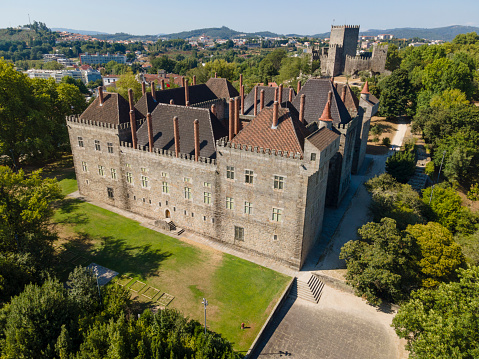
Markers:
(447, 33)
(217, 32)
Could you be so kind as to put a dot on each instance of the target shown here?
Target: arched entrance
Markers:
(167, 214)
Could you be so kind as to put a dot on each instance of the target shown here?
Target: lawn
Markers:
(238, 291)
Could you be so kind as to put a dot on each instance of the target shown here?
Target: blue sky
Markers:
(293, 16)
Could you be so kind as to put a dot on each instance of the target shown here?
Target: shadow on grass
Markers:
(68, 209)
(119, 255)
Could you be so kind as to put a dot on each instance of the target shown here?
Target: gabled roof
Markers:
(163, 133)
(316, 91)
(268, 98)
(322, 138)
(115, 110)
(222, 88)
(146, 104)
(287, 136)
(351, 101)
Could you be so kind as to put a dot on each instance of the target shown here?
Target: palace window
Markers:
(278, 182)
(143, 170)
(165, 188)
(129, 177)
(84, 166)
(313, 156)
(207, 184)
(113, 173)
(164, 174)
(277, 213)
(187, 179)
(144, 181)
(110, 147)
(101, 170)
(230, 172)
(248, 176)
(207, 197)
(80, 141)
(97, 145)
(239, 233)
(109, 191)
(187, 193)
(230, 203)
(248, 208)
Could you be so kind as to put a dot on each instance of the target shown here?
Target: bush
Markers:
(429, 170)
(386, 141)
(473, 193)
(401, 166)
(376, 130)
(375, 139)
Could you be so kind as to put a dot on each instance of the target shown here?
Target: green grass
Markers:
(237, 290)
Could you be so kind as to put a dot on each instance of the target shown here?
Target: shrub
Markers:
(401, 166)
(376, 130)
(473, 193)
(429, 170)
(386, 141)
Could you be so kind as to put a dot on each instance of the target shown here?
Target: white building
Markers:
(57, 75)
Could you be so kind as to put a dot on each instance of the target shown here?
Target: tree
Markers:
(126, 82)
(396, 94)
(401, 165)
(440, 255)
(443, 323)
(393, 60)
(382, 264)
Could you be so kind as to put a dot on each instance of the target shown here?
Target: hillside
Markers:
(81, 32)
(217, 32)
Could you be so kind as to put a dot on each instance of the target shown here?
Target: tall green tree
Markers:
(396, 95)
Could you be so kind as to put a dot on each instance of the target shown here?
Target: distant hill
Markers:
(81, 32)
(217, 32)
(119, 36)
(447, 33)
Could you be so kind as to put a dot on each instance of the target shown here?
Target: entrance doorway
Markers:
(167, 213)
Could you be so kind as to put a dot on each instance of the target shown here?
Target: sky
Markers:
(304, 17)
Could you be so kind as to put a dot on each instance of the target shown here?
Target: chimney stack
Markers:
(343, 94)
(150, 131)
(330, 96)
(242, 99)
(299, 87)
(230, 119)
(143, 87)
(197, 139)
(100, 95)
(182, 82)
(153, 90)
(255, 108)
(194, 80)
(261, 100)
(237, 119)
(162, 84)
(301, 107)
(216, 75)
(275, 114)
(291, 92)
(280, 94)
(241, 80)
(172, 102)
(187, 92)
(213, 109)
(176, 132)
(132, 119)
(276, 94)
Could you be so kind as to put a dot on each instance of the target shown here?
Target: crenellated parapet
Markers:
(225, 144)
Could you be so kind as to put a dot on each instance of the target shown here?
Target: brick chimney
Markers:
(143, 87)
(176, 132)
(276, 94)
(275, 114)
(213, 109)
(242, 99)
(197, 139)
(255, 108)
(231, 119)
(132, 119)
(216, 75)
(291, 92)
(100, 95)
(261, 100)
(241, 80)
(172, 102)
(343, 93)
(187, 92)
(330, 96)
(153, 90)
(237, 119)
(280, 94)
(187, 104)
(301, 107)
(150, 131)
(299, 87)
(162, 84)
(182, 82)
(365, 92)
(194, 80)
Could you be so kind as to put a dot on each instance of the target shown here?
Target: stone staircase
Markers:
(310, 290)
(168, 224)
(419, 180)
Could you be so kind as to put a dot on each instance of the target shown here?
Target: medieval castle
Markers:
(253, 171)
(340, 57)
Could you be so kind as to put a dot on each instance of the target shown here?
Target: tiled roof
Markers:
(322, 138)
(115, 110)
(197, 94)
(351, 101)
(287, 136)
(163, 133)
(316, 91)
(268, 98)
(146, 104)
(222, 88)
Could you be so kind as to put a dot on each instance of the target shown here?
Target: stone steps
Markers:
(310, 291)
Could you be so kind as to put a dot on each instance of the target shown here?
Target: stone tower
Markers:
(343, 41)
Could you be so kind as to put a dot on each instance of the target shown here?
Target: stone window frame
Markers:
(109, 192)
(187, 179)
(144, 181)
(129, 177)
(275, 237)
(230, 172)
(207, 197)
(313, 156)
(80, 142)
(248, 208)
(101, 170)
(239, 233)
(84, 166)
(248, 177)
(110, 147)
(230, 203)
(277, 214)
(97, 145)
(188, 194)
(165, 189)
(207, 184)
(164, 174)
(278, 182)
(113, 173)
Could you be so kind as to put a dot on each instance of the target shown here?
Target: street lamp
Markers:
(97, 284)
(205, 303)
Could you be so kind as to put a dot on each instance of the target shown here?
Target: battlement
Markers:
(224, 143)
(121, 126)
(356, 58)
(344, 26)
(170, 154)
